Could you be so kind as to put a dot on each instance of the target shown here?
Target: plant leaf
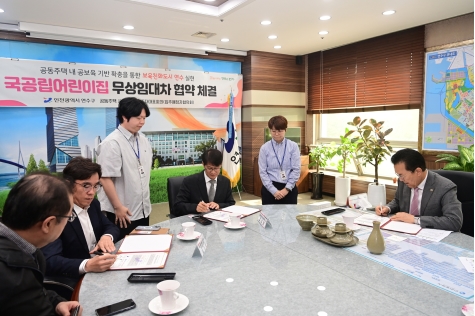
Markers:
(356, 120)
(387, 132)
(453, 166)
(465, 154)
(366, 133)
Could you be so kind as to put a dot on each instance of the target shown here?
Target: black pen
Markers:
(98, 252)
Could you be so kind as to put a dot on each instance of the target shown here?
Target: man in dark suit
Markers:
(71, 255)
(422, 196)
(205, 191)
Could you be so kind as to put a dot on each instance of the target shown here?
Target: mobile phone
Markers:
(75, 311)
(333, 211)
(202, 220)
(147, 228)
(150, 277)
(116, 308)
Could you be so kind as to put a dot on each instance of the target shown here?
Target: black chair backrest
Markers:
(464, 182)
(173, 187)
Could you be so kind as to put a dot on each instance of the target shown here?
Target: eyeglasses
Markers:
(277, 131)
(211, 169)
(70, 218)
(87, 186)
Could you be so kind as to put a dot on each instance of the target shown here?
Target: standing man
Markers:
(35, 213)
(422, 196)
(206, 190)
(126, 160)
(279, 165)
(71, 255)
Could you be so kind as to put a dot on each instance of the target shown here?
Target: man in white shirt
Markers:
(422, 197)
(126, 160)
(73, 253)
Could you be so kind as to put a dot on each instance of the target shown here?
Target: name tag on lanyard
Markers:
(282, 175)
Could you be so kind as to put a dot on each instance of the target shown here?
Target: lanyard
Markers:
(276, 157)
(137, 153)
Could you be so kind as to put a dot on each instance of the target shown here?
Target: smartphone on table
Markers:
(116, 308)
(202, 220)
(333, 211)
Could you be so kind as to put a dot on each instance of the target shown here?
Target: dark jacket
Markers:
(65, 254)
(21, 283)
(193, 191)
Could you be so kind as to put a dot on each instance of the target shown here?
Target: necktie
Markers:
(415, 202)
(211, 191)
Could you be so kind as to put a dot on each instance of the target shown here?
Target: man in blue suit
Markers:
(71, 255)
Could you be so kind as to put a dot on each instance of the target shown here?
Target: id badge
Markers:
(141, 171)
(282, 175)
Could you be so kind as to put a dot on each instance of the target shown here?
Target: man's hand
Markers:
(281, 194)
(382, 210)
(100, 263)
(202, 207)
(213, 206)
(65, 308)
(105, 244)
(403, 217)
(121, 217)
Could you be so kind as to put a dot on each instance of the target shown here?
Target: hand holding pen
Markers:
(382, 210)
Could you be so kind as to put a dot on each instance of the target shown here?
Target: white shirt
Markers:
(119, 162)
(421, 189)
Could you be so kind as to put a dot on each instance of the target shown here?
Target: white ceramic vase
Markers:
(376, 194)
(342, 190)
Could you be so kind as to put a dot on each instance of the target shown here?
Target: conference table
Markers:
(279, 270)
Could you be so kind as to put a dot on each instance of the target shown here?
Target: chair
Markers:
(173, 187)
(63, 286)
(464, 182)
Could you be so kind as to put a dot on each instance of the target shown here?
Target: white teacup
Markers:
(234, 220)
(168, 296)
(349, 220)
(188, 229)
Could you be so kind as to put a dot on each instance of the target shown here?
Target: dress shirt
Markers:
(117, 157)
(421, 189)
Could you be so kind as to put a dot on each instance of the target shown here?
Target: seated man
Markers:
(205, 191)
(35, 213)
(422, 196)
(70, 255)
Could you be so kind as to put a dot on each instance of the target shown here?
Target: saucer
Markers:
(340, 231)
(328, 241)
(241, 225)
(155, 305)
(181, 236)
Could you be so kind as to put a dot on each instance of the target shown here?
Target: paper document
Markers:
(145, 260)
(359, 201)
(222, 216)
(433, 234)
(367, 219)
(245, 211)
(145, 243)
(402, 227)
(467, 263)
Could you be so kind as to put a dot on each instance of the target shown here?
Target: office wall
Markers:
(274, 84)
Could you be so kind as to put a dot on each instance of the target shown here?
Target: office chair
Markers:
(64, 286)
(464, 182)
(173, 187)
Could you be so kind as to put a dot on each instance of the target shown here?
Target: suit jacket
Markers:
(65, 254)
(440, 208)
(193, 191)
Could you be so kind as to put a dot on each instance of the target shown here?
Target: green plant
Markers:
(462, 162)
(345, 149)
(372, 146)
(320, 155)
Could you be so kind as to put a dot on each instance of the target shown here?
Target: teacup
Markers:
(234, 220)
(341, 234)
(188, 229)
(321, 229)
(349, 220)
(168, 295)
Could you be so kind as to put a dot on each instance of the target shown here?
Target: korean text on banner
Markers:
(231, 154)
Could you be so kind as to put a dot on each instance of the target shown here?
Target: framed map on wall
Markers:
(448, 99)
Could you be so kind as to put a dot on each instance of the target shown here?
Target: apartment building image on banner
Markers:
(179, 146)
(61, 137)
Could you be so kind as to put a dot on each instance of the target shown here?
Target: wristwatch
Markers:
(417, 220)
(288, 190)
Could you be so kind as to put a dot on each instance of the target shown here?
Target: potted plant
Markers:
(343, 184)
(462, 162)
(372, 147)
(319, 157)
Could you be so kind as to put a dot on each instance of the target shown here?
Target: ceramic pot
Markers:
(317, 186)
(376, 194)
(342, 190)
(375, 241)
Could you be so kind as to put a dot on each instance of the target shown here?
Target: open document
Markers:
(147, 243)
(222, 215)
(388, 224)
(144, 260)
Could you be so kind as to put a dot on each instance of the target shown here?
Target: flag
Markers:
(231, 156)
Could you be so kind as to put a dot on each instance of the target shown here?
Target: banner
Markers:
(231, 155)
(38, 83)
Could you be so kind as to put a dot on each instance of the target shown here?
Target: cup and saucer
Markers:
(341, 234)
(188, 232)
(155, 305)
(182, 236)
(235, 222)
(169, 301)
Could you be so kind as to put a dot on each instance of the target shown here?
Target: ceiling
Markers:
(296, 23)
